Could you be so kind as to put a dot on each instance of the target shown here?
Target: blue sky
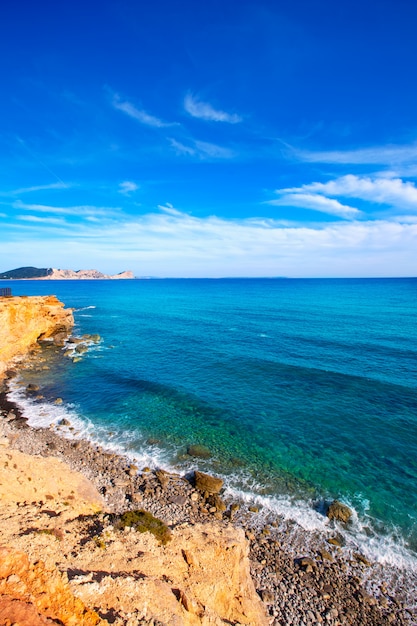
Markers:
(276, 138)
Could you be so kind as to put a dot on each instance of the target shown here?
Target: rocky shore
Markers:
(207, 560)
(308, 583)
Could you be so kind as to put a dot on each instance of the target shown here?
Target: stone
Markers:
(133, 470)
(218, 503)
(267, 596)
(31, 387)
(335, 541)
(163, 478)
(199, 451)
(339, 512)
(234, 508)
(307, 564)
(325, 555)
(362, 559)
(205, 482)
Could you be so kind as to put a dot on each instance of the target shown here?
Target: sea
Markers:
(300, 391)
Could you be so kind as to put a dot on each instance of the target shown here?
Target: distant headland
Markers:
(36, 273)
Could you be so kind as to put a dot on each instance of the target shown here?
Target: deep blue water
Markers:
(300, 388)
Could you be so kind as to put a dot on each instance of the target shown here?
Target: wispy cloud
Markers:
(128, 187)
(392, 191)
(138, 114)
(181, 148)
(399, 195)
(169, 242)
(79, 211)
(201, 149)
(316, 202)
(23, 190)
(58, 221)
(169, 209)
(205, 111)
(375, 155)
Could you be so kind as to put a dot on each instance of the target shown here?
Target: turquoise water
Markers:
(304, 389)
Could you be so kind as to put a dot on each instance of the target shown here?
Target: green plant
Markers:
(143, 521)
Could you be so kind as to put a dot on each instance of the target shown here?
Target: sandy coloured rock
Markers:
(25, 320)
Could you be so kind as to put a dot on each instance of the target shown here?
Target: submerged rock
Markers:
(199, 451)
(31, 387)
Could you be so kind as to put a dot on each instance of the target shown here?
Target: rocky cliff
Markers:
(56, 274)
(25, 320)
(59, 556)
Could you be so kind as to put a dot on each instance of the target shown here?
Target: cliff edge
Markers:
(24, 320)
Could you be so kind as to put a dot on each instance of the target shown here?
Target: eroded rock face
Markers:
(31, 594)
(26, 478)
(25, 320)
(201, 578)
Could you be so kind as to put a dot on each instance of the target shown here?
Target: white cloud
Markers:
(22, 190)
(79, 211)
(392, 191)
(399, 195)
(169, 209)
(205, 111)
(403, 219)
(181, 148)
(138, 114)
(213, 150)
(375, 155)
(59, 221)
(172, 243)
(128, 187)
(201, 149)
(316, 202)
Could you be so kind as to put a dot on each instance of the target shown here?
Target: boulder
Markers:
(205, 482)
(339, 511)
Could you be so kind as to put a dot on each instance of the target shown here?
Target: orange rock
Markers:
(24, 320)
(31, 591)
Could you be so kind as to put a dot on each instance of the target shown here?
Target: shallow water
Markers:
(302, 390)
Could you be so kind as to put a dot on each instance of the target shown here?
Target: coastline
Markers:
(299, 575)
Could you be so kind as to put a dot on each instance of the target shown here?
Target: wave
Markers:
(85, 308)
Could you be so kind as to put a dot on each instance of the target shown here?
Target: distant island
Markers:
(36, 273)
